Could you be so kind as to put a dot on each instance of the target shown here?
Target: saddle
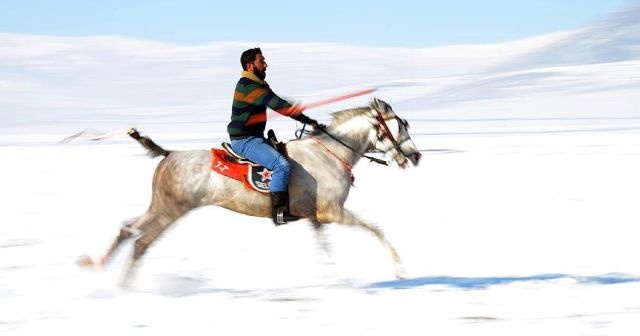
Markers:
(254, 176)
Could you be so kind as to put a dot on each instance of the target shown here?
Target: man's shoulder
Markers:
(245, 85)
(246, 81)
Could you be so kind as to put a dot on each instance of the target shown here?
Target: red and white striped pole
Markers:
(320, 103)
(338, 98)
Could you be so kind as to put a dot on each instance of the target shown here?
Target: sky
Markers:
(399, 23)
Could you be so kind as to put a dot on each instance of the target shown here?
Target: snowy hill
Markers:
(614, 39)
(587, 76)
(105, 81)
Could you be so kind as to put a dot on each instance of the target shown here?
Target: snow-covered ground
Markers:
(500, 234)
(520, 220)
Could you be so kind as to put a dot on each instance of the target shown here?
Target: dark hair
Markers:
(249, 56)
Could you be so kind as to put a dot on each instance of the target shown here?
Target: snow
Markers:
(499, 234)
(520, 219)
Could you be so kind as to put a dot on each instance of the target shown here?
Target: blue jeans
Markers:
(259, 151)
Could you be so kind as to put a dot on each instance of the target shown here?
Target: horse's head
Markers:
(393, 137)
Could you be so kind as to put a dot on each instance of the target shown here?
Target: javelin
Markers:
(324, 102)
(338, 98)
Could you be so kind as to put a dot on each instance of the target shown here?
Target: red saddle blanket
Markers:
(252, 175)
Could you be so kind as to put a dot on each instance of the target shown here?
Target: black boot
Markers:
(280, 208)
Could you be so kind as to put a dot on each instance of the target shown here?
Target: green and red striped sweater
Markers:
(249, 111)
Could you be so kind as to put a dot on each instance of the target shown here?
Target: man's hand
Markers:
(309, 121)
(318, 126)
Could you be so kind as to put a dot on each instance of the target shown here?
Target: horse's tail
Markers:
(146, 142)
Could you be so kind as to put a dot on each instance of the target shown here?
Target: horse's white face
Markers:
(393, 137)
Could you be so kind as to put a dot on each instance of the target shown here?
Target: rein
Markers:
(371, 158)
(302, 131)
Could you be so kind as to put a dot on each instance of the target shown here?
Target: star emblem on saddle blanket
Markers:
(266, 174)
(220, 166)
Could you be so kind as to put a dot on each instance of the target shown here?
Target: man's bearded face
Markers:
(262, 74)
(260, 67)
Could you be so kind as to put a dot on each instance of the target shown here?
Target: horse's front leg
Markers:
(346, 217)
(320, 235)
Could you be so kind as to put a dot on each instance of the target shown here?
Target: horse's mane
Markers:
(341, 117)
(344, 115)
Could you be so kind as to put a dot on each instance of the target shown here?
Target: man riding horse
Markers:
(248, 121)
(186, 179)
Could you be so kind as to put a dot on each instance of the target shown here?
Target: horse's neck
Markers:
(355, 133)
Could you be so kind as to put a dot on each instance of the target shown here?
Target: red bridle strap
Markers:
(348, 166)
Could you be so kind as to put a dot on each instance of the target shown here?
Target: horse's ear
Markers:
(380, 105)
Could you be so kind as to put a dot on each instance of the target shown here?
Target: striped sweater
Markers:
(250, 102)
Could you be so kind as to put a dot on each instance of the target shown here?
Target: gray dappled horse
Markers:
(319, 183)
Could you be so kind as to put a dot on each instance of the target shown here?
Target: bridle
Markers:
(383, 133)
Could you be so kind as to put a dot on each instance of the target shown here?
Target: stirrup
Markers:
(283, 217)
(280, 218)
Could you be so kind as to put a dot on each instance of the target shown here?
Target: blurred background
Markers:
(520, 220)
(458, 65)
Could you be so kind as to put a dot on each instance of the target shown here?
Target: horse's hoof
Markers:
(401, 275)
(400, 272)
(125, 284)
(86, 261)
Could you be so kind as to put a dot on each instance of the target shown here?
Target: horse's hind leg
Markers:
(351, 219)
(129, 229)
(151, 232)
